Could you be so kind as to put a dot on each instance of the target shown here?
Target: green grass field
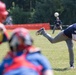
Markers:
(56, 53)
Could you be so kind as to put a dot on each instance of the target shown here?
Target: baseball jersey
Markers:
(57, 22)
(70, 32)
(39, 64)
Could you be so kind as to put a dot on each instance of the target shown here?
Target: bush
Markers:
(19, 16)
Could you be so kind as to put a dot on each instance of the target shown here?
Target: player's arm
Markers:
(60, 22)
(55, 23)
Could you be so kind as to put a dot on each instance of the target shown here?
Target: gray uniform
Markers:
(67, 35)
(61, 37)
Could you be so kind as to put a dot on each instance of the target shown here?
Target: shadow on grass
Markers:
(61, 69)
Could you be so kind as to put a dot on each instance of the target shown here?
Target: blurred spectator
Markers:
(9, 20)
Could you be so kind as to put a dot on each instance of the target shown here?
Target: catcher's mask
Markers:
(20, 40)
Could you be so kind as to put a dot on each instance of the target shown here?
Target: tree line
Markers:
(41, 11)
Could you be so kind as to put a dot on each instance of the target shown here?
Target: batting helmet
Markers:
(3, 12)
(20, 39)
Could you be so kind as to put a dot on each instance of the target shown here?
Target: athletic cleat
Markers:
(71, 66)
(40, 31)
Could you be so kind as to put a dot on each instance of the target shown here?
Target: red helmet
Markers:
(20, 39)
(3, 12)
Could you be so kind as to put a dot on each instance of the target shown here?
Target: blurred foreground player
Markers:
(24, 58)
(3, 15)
(67, 35)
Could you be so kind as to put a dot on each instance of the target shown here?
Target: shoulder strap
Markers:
(21, 61)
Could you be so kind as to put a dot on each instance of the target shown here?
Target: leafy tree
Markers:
(19, 16)
(42, 10)
(45, 11)
(8, 3)
(69, 13)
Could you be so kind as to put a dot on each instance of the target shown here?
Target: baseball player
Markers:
(24, 58)
(3, 15)
(67, 35)
(57, 24)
